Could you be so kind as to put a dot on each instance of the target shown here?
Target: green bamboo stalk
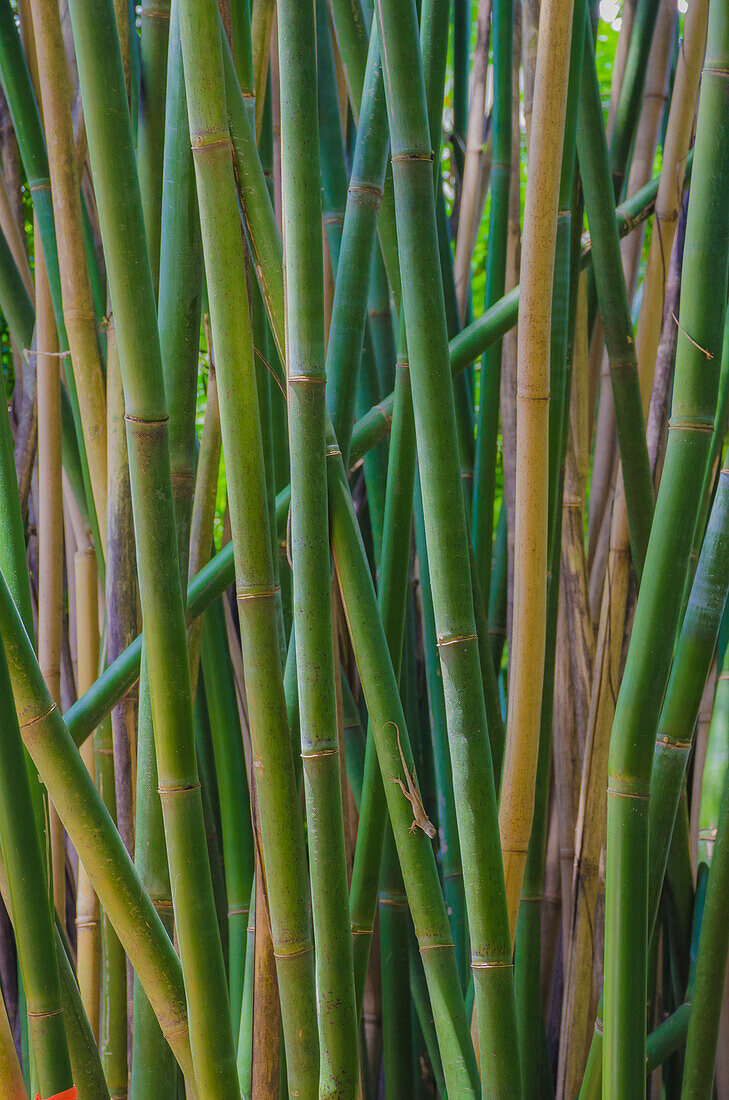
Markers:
(461, 71)
(305, 354)
(120, 216)
(349, 312)
(614, 308)
(414, 850)
(257, 597)
(691, 664)
(488, 410)
(448, 553)
(637, 713)
(153, 41)
(237, 837)
(708, 985)
(30, 905)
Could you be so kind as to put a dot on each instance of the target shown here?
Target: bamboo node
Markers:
(319, 753)
(257, 593)
(300, 949)
(673, 743)
(359, 930)
(155, 13)
(183, 788)
(146, 421)
(308, 379)
(414, 154)
(491, 964)
(48, 354)
(443, 642)
(333, 219)
(45, 1015)
(366, 190)
(39, 185)
(691, 340)
(435, 947)
(694, 424)
(394, 900)
(235, 912)
(332, 450)
(618, 793)
(36, 719)
(202, 145)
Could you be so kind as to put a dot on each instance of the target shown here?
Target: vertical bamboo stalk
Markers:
(310, 548)
(530, 563)
(88, 917)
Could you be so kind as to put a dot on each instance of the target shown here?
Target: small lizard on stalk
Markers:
(420, 818)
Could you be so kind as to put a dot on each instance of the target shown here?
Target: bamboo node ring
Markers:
(301, 950)
(308, 379)
(183, 788)
(257, 593)
(627, 794)
(434, 947)
(49, 354)
(442, 642)
(144, 421)
(38, 717)
(332, 450)
(319, 753)
(414, 155)
(694, 425)
(201, 144)
(45, 1015)
(490, 964)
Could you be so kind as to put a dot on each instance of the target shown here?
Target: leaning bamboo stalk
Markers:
(530, 563)
(88, 917)
(414, 850)
(11, 233)
(120, 215)
(305, 355)
(153, 41)
(257, 596)
(30, 905)
(93, 834)
(78, 306)
(694, 399)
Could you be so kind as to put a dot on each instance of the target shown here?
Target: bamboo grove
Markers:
(364, 549)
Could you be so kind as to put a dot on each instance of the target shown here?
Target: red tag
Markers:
(67, 1094)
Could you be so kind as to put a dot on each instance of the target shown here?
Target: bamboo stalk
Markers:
(530, 565)
(649, 655)
(78, 309)
(88, 918)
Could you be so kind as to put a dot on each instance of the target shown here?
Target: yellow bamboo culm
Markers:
(532, 444)
(88, 923)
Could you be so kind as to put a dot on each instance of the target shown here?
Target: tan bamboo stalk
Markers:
(50, 532)
(701, 742)
(670, 188)
(532, 446)
(646, 138)
(88, 917)
(472, 165)
(565, 756)
(78, 309)
(627, 16)
(12, 1084)
(266, 1054)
